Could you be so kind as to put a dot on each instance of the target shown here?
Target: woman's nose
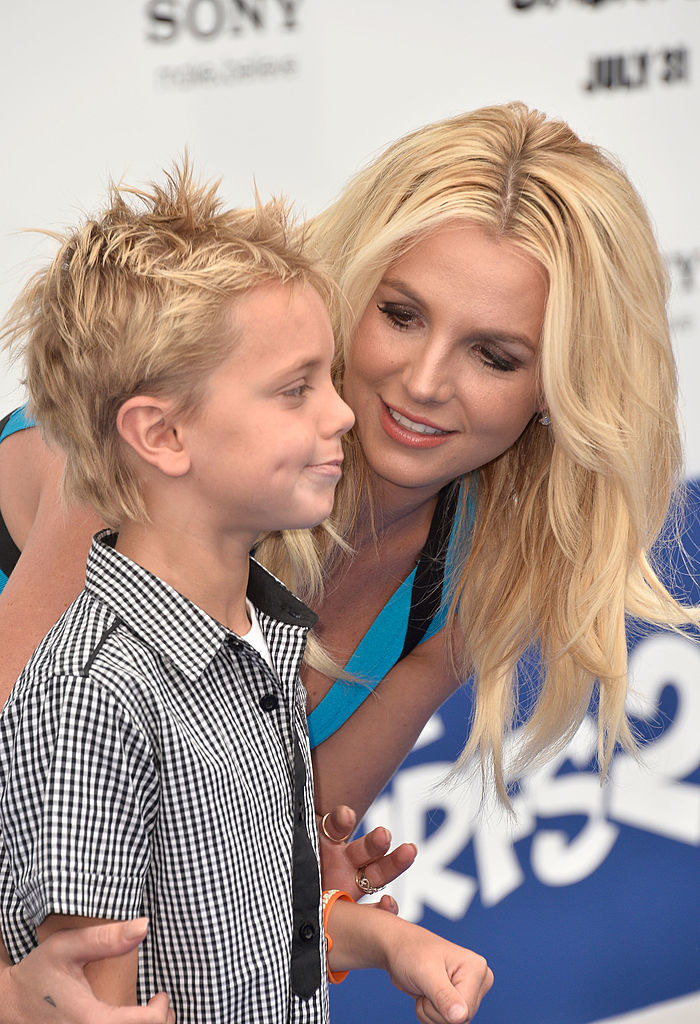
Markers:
(428, 376)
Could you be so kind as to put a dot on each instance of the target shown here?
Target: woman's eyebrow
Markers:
(401, 286)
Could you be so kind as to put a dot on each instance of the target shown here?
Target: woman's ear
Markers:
(147, 426)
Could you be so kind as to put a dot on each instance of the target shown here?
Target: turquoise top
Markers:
(379, 650)
(16, 421)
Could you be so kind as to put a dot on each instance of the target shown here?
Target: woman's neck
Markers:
(394, 512)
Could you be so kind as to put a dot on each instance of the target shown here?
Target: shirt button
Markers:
(307, 931)
(269, 702)
(233, 642)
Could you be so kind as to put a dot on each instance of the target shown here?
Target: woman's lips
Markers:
(414, 433)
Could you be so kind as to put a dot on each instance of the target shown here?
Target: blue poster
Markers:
(586, 904)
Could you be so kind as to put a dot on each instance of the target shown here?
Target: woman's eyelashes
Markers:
(403, 318)
(494, 360)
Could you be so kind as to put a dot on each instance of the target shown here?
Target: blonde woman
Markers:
(503, 343)
(503, 331)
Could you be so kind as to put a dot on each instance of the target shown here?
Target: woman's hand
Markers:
(49, 986)
(340, 860)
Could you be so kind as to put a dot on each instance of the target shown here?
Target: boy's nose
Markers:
(345, 416)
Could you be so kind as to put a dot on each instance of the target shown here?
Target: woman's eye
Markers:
(495, 361)
(399, 316)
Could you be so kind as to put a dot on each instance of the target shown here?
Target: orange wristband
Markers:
(329, 898)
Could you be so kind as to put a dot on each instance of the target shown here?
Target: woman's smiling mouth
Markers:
(407, 431)
(416, 426)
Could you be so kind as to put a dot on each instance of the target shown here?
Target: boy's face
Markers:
(265, 443)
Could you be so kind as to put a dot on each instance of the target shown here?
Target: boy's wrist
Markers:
(329, 899)
(363, 937)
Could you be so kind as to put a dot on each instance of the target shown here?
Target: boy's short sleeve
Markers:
(79, 801)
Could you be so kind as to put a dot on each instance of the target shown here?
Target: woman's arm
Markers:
(353, 765)
(51, 570)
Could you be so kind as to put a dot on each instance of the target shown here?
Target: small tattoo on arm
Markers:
(49, 1000)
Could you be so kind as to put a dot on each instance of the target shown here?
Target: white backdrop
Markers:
(298, 94)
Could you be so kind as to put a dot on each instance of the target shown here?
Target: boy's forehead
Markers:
(284, 325)
(274, 298)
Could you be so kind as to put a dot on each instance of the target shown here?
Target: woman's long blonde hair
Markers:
(559, 552)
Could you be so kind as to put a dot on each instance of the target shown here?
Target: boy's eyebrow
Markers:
(297, 368)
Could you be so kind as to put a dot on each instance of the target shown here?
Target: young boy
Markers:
(153, 754)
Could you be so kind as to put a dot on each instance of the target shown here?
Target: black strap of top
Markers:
(426, 593)
(9, 552)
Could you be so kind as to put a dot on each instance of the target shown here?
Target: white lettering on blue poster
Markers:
(584, 899)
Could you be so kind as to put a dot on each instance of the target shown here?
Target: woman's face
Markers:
(442, 372)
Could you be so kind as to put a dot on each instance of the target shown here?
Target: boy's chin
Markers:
(307, 522)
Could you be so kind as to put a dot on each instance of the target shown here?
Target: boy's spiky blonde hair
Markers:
(136, 301)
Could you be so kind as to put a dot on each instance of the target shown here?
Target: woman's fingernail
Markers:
(132, 929)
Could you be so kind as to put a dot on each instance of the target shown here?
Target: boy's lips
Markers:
(331, 468)
(413, 431)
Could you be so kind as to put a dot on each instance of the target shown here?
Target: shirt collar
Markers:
(169, 622)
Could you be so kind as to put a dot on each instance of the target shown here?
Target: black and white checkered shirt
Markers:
(152, 763)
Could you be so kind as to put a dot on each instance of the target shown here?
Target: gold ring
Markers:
(363, 883)
(327, 834)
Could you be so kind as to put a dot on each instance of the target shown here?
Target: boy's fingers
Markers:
(450, 1006)
(83, 945)
(466, 989)
(455, 999)
(427, 1013)
(486, 977)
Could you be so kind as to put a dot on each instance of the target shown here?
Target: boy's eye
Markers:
(298, 392)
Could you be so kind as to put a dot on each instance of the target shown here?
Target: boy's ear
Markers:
(146, 424)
